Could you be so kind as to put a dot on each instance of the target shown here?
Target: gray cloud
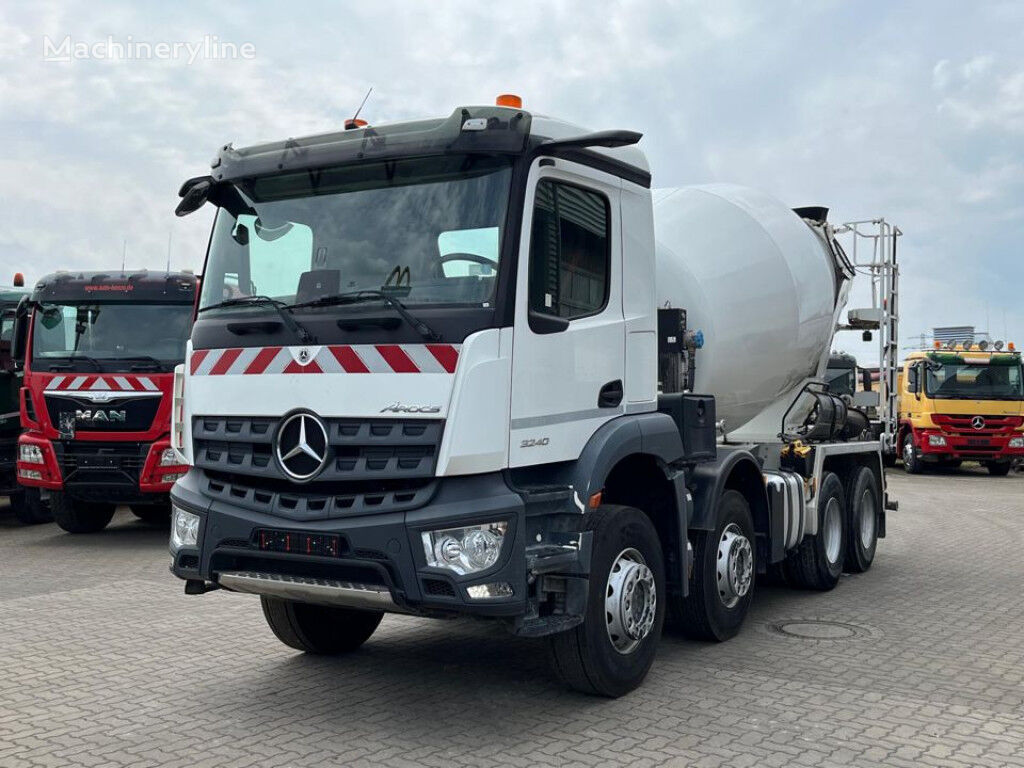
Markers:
(914, 111)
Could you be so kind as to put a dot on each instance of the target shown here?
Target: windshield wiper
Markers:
(78, 356)
(282, 309)
(355, 297)
(141, 361)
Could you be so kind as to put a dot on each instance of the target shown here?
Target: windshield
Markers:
(428, 228)
(110, 337)
(974, 382)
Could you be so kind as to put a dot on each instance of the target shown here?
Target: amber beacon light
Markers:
(509, 100)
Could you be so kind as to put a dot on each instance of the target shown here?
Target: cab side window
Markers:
(912, 379)
(570, 254)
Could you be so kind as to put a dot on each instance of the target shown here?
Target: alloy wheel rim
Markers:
(734, 566)
(631, 601)
(833, 529)
(867, 519)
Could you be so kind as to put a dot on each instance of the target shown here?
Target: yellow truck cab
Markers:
(962, 403)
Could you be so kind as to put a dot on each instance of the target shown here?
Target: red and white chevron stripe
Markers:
(349, 358)
(81, 383)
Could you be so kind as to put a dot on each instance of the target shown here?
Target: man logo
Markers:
(96, 416)
(978, 422)
(301, 446)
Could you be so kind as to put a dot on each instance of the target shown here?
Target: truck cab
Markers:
(437, 368)
(962, 402)
(25, 505)
(98, 351)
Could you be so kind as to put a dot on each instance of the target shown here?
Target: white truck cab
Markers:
(434, 371)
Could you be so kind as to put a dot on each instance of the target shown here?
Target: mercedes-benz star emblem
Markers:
(978, 422)
(302, 446)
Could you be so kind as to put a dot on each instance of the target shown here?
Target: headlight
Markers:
(465, 550)
(30, 454)
(1017, 442)
(168, 458)
(184, 529)
(936, 441)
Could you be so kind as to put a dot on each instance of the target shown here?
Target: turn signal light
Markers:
(509, 100)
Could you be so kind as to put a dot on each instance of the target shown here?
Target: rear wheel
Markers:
(152, 513)
(818, 562)
(863, 502)
(998, 468)
(912, 463)
(76, 516)
(723, 573)
(29, 508)
(319, 629)
(610, 653)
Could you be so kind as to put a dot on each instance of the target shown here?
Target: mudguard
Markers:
(733, 468)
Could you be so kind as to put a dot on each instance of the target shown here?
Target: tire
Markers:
(76, 516)
(720, 598)
(319, 629)
(817, 563)
(610, 653)
(998, 468)
(863, 503)
(29, 508)
(157, 514)
(912, 463)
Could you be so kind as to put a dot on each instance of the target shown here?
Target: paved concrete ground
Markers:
(103, 661)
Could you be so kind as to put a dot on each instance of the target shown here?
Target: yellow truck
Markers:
(962, 402)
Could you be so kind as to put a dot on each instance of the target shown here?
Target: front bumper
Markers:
(102, 471)
(370, 553)
(988, 447)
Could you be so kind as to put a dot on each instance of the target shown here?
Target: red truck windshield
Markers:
(110, 336)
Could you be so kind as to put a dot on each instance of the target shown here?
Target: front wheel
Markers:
(723, 573)
(76, 516)
(29, 508)
(610, 653)
(912, 463)
(998, 468)
(319, 629)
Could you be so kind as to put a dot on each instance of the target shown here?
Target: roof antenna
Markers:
(124, 254)
(354, 121)
(170, 233)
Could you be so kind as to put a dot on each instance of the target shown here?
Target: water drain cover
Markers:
(813, 629)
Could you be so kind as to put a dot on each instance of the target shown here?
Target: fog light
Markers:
(936, 441)
(1016, 442)
(30, 474)
(30, 454)
(184, 529)
(465, 550)
(497, 589)
(172, 477)
(168, 458)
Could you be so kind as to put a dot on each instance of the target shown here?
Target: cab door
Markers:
(568, 351)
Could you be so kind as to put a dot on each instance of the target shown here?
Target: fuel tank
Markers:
(763, 284)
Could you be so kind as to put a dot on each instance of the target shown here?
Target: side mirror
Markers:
(542, 324)
(193, 193)
(22, 317)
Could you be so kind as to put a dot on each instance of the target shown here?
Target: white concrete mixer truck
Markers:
(455, 367)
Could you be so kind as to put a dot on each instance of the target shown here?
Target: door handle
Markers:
(610, 395)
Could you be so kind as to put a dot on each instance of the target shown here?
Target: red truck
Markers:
(98, 351)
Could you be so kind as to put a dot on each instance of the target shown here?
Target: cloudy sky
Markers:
(914, 111)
